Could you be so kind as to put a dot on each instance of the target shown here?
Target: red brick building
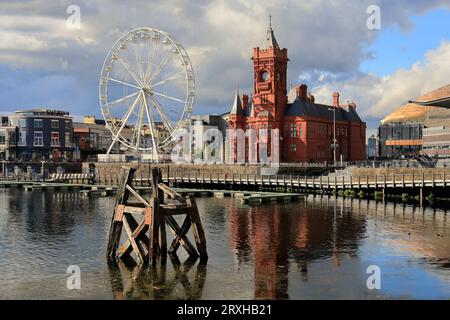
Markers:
(305, 128)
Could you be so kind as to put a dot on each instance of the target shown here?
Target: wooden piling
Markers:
(148, 239)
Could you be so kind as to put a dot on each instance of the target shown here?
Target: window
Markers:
(55, 139)
(293, 147)
(38, 123)
(68, 140)
(22, 123)
(38, 138)
(263, 131)
(93, 138)
(301, 132)
(55, 124)
(293, 130)
(2, 137)
(22, 138)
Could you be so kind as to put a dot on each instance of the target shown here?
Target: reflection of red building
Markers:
(271, 257)
(278, 236)
(305, 127)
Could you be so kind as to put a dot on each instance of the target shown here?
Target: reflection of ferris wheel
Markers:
(146, 89)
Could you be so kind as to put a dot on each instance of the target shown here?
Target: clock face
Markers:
(265, 76)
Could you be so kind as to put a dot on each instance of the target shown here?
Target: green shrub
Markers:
(405, 197)
(378, 195)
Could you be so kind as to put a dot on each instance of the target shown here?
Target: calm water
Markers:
(317, 248)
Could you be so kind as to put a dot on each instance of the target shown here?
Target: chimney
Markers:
(245, 101)
(352, 105)
(312, 98)
(302, 91)
(336, 99)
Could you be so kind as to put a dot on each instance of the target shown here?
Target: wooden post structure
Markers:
(421, 196)
(116, 222)
(148, 240)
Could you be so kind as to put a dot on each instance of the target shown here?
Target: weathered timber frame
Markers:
(148, 239)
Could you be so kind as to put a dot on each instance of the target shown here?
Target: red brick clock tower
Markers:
(270, 79)
(289, 130)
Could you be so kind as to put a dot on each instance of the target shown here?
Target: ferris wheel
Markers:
(146, 90)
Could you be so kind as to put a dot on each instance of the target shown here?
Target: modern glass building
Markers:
(420, 127)
(400, 139)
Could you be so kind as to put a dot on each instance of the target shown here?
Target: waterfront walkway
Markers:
(228, 181)
(322, 182)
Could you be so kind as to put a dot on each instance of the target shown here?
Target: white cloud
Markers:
(379, 96)
(13, 41)
(326, 38)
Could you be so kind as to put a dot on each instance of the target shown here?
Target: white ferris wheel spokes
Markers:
(146, 90)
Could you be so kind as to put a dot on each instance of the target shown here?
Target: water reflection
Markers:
(278, 235)
(316, 248)
(156, 282)
(45, 213)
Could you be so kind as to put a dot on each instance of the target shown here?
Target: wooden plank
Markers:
(139, 234)
(138, 250)
(116, 226)
(183, 231)
(134, 210)
(137, 195)
(185, 242)
(163, 238)
(197, 227)
(120, 209)
(153, 248)
(172, 193)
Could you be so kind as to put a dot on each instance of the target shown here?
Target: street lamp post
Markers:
(334, 134)
(43, 170)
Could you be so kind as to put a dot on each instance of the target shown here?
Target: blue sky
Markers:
(396, 48)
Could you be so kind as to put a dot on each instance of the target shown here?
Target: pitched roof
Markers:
(305, 107)
(237, 105)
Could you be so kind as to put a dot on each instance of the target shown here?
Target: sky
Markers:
(43, 63)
